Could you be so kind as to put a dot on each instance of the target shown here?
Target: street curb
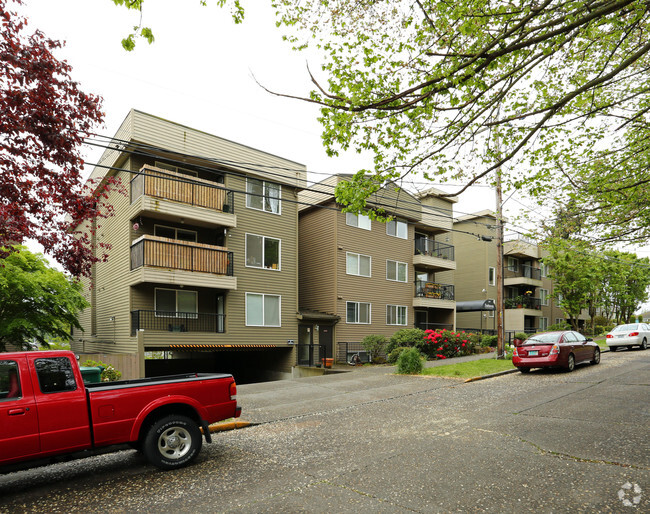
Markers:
(229, 425)
(506, 372)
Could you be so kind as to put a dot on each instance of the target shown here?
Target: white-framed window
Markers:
(396, 314)
(263, 196)
(176, 169)
(172, 303)
(397, 228)
(263, 310)
(558, 300)
(179, 234)
(357, 264)
(512, 264)
(560, 321)
(357, 312)
(543, 269)
(543, 296)
(357, 220)
(397, 271)
(543, 324)
(492, 276)
(262, 252)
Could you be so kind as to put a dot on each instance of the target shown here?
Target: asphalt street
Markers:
(371, 441)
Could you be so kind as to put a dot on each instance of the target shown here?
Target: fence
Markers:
(170, 321)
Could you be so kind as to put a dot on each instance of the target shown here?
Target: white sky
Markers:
(199, 73)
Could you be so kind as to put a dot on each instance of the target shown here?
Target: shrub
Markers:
(447, 343)
(558, 326)
(395, 352)
(409, 362)
(520, 335)
(601, 320)
(375, 345)
(406, 337)
(109, 374)
(489, 341)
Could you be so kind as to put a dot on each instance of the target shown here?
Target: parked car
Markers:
(562, 349)
(48, 412)
(629, 335)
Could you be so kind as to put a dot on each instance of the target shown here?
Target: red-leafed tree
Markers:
(44, 120)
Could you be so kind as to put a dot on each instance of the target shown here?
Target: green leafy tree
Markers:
(626, 286)
(37, 302)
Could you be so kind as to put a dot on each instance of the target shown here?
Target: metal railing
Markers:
(434, 326)
(172, 321)
(311, 355)
(523, 271)
(434, 290)
(181, 255)
(433, 248)
(522, 302)
(181, 188)
(347, 350)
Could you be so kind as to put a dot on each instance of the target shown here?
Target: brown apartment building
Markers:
(361, 277)
(202, 273)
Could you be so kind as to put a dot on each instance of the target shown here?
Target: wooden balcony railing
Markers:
(161, 252)
(169, 185)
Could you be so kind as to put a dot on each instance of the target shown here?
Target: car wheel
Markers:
(571, 363)
(596, 358)
(644, 344)
(172, 442)
(524, 370)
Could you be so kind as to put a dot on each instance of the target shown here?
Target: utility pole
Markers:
(499, 277)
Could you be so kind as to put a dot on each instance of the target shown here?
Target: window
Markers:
(55, 375)
(262, 252)
(358, 312)
(9, 380)
(263, 196)
(262, 310)
(175, 169)
(357, 264)
(492, 276)
(560, 321)
(543, 324)
(396, 314)
(558, 300)
(543, 269)
(543, 296)
(359, 221)
(512, 264)
(396, 271)
(172, 303)
(175, 233)
(397, 229)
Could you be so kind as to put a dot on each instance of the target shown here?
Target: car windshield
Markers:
(625, 328)
(549, 337)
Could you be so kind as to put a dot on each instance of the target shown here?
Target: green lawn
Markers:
(469, 369)
(600, 340)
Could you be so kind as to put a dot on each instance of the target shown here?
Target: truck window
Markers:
(55, 375)
(9, 381)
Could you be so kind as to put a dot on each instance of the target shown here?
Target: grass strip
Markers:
(470, 369)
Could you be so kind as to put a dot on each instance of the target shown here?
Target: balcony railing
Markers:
(161, 252)
(522, 271)
(434, 326)
(522, 302)
(433, 248)
(434, 290)
(171, 321)
(177, 187)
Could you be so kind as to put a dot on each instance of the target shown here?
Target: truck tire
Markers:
(172, 442)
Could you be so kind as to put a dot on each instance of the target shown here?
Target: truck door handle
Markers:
(17, 412)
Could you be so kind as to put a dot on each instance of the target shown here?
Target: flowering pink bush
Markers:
(442, 344)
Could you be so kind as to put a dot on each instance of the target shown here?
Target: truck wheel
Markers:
(172, 442)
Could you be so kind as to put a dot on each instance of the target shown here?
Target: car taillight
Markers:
(633, 334)
(555, 350)
(233, 391)
(514, 352)
(608, 336)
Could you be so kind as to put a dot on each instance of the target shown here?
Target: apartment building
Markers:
(202, 272)
(360, 276)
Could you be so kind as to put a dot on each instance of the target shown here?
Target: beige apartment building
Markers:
(202, 272)
(360, 276)
(527, 288)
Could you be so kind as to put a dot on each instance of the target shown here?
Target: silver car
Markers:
(632, 334)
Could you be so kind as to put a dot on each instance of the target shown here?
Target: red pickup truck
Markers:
(46, 411)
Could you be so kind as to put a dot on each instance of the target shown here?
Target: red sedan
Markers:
(555, 349)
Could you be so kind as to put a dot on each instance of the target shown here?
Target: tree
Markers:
(626, 287)
(37, 302)
(45, 119)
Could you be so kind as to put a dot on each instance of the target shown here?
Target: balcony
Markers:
(433, 294)
(169, 261)
(170, 195)
(522, 275)
(523, 302)
(174, 322)
(433, 255)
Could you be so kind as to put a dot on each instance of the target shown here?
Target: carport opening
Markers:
(247, 365)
